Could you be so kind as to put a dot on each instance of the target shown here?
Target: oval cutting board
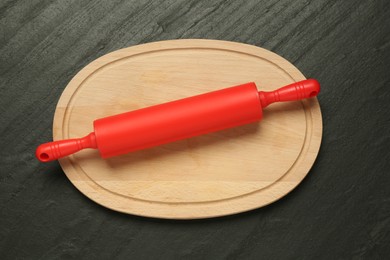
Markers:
(217, 174)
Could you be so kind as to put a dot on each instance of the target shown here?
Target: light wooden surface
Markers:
(217, 174)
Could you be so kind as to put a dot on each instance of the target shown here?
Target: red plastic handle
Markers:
(295, 91)
(54, 150)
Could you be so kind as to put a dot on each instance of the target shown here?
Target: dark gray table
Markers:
(342, 208)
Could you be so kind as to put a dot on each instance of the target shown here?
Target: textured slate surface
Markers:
(342, 208)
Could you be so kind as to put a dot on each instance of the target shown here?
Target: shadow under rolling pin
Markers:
(180, 119)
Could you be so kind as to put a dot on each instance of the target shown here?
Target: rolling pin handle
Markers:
(54, 150)
(295, 91)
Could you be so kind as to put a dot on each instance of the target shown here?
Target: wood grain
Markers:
(344, 200)
(207, 176)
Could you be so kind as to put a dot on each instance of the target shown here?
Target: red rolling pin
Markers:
(184, 118)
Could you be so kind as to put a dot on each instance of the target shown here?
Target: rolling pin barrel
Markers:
(184, 118)
(177, 120)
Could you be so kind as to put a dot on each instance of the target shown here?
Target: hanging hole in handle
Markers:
(44, 156)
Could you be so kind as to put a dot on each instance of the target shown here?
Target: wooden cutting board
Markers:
(217, 174)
